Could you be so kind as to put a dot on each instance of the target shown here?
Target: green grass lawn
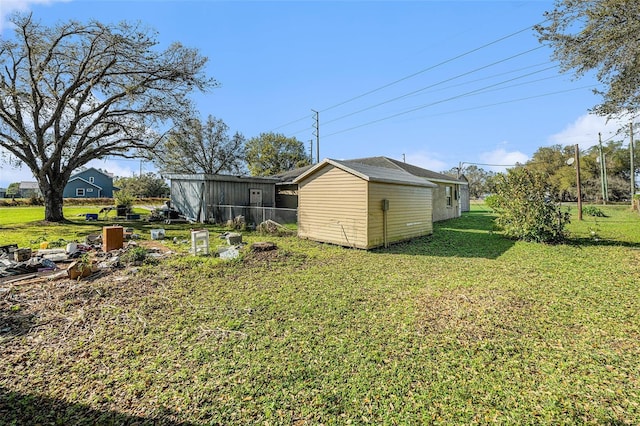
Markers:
(24, 225)
(462, 327)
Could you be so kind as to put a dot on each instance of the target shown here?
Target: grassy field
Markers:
(24, 225)
(463, 327)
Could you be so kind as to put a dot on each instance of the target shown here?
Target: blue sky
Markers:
(434, 82)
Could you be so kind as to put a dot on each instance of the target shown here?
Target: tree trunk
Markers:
(53, 200)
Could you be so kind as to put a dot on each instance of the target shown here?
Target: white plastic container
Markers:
(72, 248)
(157, 234)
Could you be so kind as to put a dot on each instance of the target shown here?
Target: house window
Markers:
(91, 179)
(79, 192)
(89, 189)
(447, 193)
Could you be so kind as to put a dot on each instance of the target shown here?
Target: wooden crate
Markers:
(112, 237)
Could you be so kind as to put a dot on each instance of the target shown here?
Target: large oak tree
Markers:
(197, 147)
(273, 153)
(75, 92)
(601, 36)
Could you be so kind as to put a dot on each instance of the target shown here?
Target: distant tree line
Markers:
(551, 161)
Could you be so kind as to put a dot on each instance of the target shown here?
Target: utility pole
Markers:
(603, 171)
(633, 167)
(577, 154)
(317, 134)
(311, 151)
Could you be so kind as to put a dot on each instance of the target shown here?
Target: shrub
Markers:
(593, 211)
(135, 255)
(35, 200)
(124, 198)
(491, 201)
(525, 207)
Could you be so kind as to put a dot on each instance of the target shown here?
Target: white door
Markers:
(255, 197)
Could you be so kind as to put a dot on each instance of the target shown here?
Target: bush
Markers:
(593, 211)
(491, 201)
(135, 255)
(525, 207)
(35, 200)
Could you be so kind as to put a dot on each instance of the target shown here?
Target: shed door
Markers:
(255, 197)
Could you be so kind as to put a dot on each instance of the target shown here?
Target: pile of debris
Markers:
(75, 261)
(271, 227)
(23, 264)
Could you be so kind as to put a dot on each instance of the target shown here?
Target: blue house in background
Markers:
(90, 183)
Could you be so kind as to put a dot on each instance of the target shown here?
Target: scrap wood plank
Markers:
(20, 278)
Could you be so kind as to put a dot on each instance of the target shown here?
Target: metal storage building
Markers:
(205, 197)
(362, 206)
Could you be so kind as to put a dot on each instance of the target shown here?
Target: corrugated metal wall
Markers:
(187, 197)
(237, 193)
(197, 199)
(465, 199)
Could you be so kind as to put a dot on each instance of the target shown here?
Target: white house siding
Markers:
(332, 208)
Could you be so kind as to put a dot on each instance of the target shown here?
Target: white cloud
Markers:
(116, 167)
(9, 174)
(584, 131)
(7, 7)
(426, 161)
(500, 159)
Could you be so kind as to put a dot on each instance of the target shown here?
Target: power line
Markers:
(455, 97)
(464, 83)
(483, 90)
(492, 165)
(407, 77)
(510, 101)
(442, 82)
(433, 66)
(290, 123)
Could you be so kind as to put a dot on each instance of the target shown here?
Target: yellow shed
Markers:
(357, 205)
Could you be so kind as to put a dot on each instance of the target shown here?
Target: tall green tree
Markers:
(75, 92)
(13, 189)
(551, 161)
(600, 36)
(144, 186)
(197, 147)
(273, 153)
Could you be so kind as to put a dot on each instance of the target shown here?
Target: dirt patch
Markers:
(469, 315)
(253, 257)
(62, 308)
(159, 245)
